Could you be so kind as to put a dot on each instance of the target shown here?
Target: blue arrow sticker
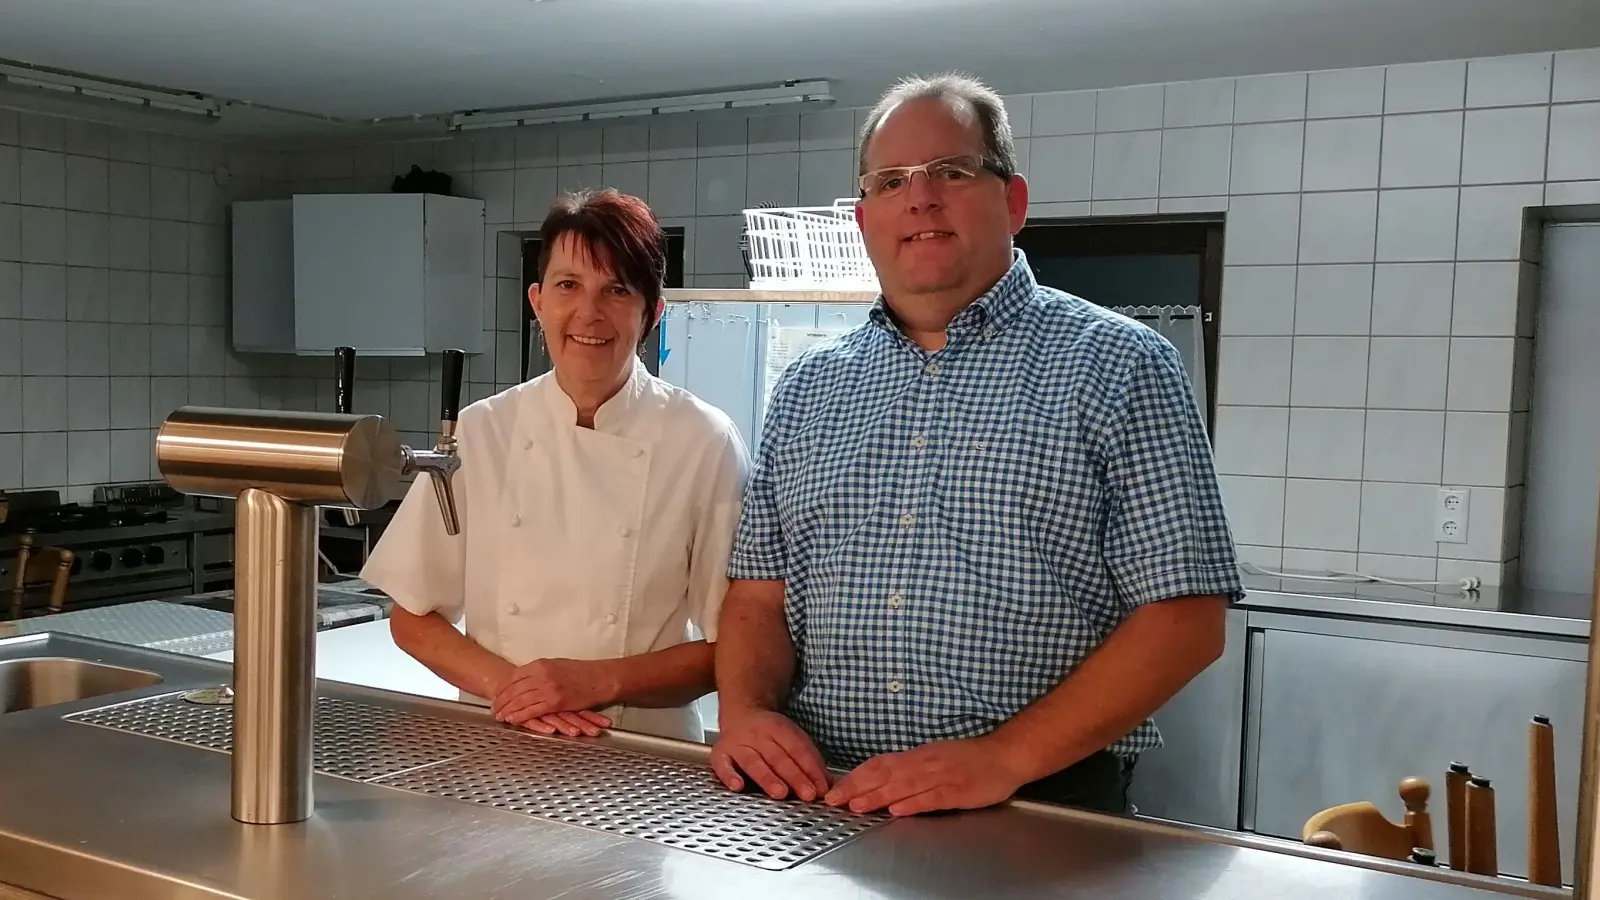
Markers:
(664, 351)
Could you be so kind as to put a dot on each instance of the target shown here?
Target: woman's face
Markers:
(592, 322)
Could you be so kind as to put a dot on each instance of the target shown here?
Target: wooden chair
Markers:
(1362, 828)
(38, 566)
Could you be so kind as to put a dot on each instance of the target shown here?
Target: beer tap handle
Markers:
(445, 460)
(454, 362)
(344, 385)
(344, 377)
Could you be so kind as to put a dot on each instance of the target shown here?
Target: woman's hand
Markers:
(550, 695)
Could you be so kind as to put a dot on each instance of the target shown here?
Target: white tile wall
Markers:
(110, 248)
(1375, 322)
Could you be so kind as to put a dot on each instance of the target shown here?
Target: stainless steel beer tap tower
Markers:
(281, 466)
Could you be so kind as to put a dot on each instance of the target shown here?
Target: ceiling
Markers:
(364, 59)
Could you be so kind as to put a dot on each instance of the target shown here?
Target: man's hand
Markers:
(772, 751)
(550, 695)
(958, 774)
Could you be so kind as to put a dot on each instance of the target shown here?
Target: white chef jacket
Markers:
(574, 542)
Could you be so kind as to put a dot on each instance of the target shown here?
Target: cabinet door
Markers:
(1344, 719)
(263, 276)
(358, 273)
(1193, 776)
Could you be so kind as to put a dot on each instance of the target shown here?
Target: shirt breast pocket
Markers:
(1007, 476)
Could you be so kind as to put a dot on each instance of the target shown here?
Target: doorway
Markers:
(1164, 269)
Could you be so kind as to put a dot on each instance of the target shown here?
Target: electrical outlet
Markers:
(1450, 516)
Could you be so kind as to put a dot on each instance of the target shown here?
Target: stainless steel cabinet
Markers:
(1340, 711)
(1194, 776)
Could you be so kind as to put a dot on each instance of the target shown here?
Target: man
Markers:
(983, 540)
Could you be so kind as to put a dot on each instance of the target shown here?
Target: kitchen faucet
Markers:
(282, 466)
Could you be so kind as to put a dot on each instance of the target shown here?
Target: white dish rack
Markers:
(807, 248)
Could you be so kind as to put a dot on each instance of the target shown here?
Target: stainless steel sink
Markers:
(45, 681)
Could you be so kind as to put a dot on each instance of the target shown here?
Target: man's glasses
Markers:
(949, 172)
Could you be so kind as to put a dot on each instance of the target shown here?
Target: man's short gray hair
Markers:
(979, 97)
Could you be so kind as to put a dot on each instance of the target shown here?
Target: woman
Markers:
(597, 504)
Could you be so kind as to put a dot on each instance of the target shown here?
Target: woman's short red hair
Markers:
(621, 234)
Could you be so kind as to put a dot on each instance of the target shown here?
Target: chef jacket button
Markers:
(895, 687)
(515, 520)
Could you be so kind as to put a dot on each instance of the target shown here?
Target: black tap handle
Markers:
(344, 379)
(454, 362)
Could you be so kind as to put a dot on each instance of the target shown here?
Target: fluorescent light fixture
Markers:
(791, 92)
(51, 85)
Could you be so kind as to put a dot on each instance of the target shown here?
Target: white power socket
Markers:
(1450, 516)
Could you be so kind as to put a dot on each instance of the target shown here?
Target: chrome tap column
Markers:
(281, 466)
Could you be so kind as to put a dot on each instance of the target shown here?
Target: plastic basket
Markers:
(807, 248)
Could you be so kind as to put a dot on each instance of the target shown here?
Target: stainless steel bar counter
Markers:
(117, 786)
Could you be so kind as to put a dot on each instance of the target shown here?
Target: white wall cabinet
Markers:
(387, 274)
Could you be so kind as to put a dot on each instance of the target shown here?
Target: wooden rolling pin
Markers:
(1455, 800)
(1544, 842)
(1482, 849)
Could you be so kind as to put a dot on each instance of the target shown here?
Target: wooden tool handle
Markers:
(1544, 842)
(1455, 799)
(1414, 792)
(1482, 846)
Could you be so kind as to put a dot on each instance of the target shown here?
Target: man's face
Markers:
(937, 235)
(592, 322)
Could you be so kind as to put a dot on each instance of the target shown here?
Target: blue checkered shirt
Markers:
(958, 529)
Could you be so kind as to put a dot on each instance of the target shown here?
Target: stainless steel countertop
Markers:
(89, 812)
(1509, 609)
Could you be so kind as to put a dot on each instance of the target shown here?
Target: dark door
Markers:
(1121, 264)
(536, 357)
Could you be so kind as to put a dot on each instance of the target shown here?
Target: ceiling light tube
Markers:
(818, 92)
(60, 84)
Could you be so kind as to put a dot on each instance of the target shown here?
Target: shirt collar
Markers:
(613, 413)
(996, 308)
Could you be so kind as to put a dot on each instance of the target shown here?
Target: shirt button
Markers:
(908, 520)
(515, 520)
(625, 531)
(919, 442)
(611, 619)
(527, 444)
(932, 369)
(513, 609)
(897, 601)
(895, 687)
(638, 452)
(988, 333)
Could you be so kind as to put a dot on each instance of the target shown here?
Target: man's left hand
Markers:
(957, 774)
(546, 687)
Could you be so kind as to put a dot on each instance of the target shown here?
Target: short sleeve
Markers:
(759, 551)
(715, 524)
(420, 567)
(1167, 533)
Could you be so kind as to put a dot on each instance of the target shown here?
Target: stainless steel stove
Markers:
(135, 542)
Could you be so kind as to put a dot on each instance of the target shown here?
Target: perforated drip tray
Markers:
(664, 801)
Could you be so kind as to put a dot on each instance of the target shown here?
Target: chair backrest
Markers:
(40, 566)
